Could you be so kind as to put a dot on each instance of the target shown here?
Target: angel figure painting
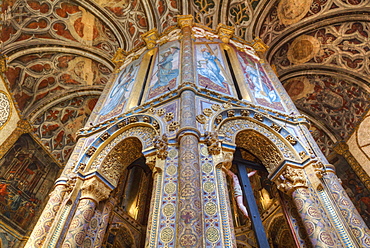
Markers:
(166, 73)
(118, 94)
(210, 68)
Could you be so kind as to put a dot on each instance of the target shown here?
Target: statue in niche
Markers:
(238, 193)
(166, 72)
(118, 93)
(212, 69)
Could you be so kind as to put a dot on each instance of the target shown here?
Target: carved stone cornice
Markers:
(343, 149)
(291, 179)
(150, 38)
(95, 190)
(213, 143)
(161, 144)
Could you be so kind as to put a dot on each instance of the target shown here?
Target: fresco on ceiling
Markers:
(338, 103)
(57, 126)
(165, 70)
(260, 84)
(211, 68)
(354, 187)
(118, 94)
(27, 174)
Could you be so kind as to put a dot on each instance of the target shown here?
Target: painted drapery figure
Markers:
(166, 72)
(212, 70)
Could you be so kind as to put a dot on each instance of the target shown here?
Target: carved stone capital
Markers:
(291, 179)
(119, 57)
(150, 38)
(185, 20)
(95, 190)
(259, 45)
(225, 32)
(213, 143)
(161, 144)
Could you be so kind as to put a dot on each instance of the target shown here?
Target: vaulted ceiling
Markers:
(59, 55)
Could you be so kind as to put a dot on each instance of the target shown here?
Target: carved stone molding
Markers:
(291, 179)
(161, 144)
(95, 190)
(213, 143)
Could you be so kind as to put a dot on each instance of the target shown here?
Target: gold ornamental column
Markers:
(293, 181)
(190, 214)
(93, 191)
(349, 212)
(39, 233)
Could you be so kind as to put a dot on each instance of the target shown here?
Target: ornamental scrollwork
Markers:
(95, 190)
(213, 143)
(161, 144)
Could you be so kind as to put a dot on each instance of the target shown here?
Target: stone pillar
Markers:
(92, 192)
(293, 181)
(349, 212)
(107, 211)
(190, 226)
(39, 233)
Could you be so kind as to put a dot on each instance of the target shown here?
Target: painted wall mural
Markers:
(211, 68)
(165, 70)
(27, 174)
(260, 84)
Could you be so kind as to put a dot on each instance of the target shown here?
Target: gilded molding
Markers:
(259, 45)
(225, 32)
(291, 179)
(150, 38)
(3, 63)
(185, 20)
(343, 149)
(119, 57)
(95, 190)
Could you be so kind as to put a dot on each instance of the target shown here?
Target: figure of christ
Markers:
(238, 193)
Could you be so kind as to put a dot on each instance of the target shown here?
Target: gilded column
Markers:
(92, 192)
(293, 181)
(39, 233)
(349, 212)
(190, 226)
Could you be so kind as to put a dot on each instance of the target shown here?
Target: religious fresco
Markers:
(119, 93)
(165, 71)
(354, 187)
(27, 174)
(210, 68)
(260, 84)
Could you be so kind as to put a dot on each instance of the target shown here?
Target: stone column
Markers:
(92, 192)
(190, 226)
(293, 181)
(107, 212)
(39, 233)
(349, 212)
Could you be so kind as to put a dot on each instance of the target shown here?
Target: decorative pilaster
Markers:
(349, 212)
(343, 149)
(107, 212)
(293, 181)
(92, 192)
(39, 233)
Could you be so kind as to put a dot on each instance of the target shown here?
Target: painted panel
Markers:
(211, 68)
(165, 70)
(27, 174)
(117, 97)
(260, 84)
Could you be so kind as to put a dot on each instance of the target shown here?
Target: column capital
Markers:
(291, 179)
(161, 144)
(213, 143)
(225, 32)
(185, 20)
(95, 189)
(150, 38)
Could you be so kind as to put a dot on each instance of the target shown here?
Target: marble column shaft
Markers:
(318, 231)
(39, 233)
(348, 210)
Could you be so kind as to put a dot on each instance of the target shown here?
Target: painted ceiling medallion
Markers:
(292, 11)
(4, 108)
(303, 49)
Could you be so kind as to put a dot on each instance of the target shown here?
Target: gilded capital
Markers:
(24, 126)
(185, 20)
(119, 57)
(225, 32)
(95, 190)
(3, 64)
(150, 38)
(291, 179)
(341, 148)
(259, 45)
